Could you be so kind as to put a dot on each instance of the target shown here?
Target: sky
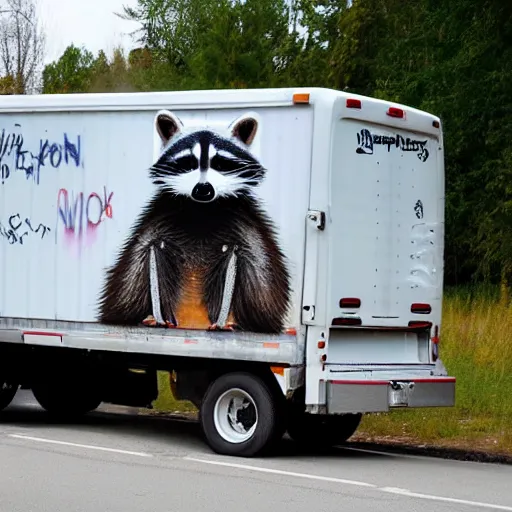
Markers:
(91, 23)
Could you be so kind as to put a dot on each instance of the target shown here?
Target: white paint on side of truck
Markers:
(73, 184)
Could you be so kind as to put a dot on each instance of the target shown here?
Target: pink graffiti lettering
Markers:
(81, 216)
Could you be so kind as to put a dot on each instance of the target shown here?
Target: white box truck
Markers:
(278, 251)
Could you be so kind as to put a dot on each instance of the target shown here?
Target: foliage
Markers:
(213, 43)
(7, 85)
(78, 70)
(71, 73)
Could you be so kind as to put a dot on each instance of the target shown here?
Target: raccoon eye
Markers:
(187, 162)
(223, 164)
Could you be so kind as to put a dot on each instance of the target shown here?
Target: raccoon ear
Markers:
(245, 128)
(167, 125)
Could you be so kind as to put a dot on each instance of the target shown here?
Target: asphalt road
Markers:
(116, 461)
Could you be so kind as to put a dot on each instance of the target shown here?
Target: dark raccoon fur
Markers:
(203, 219)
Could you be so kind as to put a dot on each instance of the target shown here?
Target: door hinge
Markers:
(318, 217)
(308, 313)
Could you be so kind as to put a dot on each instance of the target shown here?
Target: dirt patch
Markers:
(481, 451)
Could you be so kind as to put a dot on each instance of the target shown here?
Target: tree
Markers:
(170, 28)
(213, 43)
(21, 44)
(242, 46)
(72, 73)
(113, 75)
(7, 85)
(78, 71)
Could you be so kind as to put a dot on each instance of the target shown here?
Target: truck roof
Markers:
(184, 100)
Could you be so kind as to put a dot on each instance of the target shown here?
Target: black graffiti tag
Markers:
(366, 142)
(16, 229)
(418, 209)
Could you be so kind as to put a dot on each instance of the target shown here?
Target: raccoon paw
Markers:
(151, 321)
(228, 327)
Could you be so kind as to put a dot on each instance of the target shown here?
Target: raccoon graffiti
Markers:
(203, 253)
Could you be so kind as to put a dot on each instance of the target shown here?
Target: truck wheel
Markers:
(59, 399)
(7, 393)
(322, 431)
(240, 416)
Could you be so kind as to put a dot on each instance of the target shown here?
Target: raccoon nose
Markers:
(203, 192)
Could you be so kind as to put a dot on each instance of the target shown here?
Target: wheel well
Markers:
(191, 383)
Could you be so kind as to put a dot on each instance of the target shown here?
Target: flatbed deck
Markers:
(283, 348)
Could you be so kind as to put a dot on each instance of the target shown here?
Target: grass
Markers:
(476, 348)
(166, 402)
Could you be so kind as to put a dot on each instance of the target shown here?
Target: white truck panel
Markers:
(82, 180)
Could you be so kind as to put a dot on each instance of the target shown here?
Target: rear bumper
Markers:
(365, 396)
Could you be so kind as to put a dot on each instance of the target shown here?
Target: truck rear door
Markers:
(386, 231)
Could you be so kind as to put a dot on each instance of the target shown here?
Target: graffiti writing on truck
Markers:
(367, 140)
(418, 209)
(16, 230)
(82, 215)
(16, 156)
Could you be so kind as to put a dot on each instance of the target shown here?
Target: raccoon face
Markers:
(205, 165)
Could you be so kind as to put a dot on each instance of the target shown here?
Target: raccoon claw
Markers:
(151, 321)
(228, 327)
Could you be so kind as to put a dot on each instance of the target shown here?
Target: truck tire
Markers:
(7, 393)
(63, 400)
(240, 416)
(322, 431)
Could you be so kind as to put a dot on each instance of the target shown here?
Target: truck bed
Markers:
(244, 346)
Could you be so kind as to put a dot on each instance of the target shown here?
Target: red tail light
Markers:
(421, 309)
(353, 103)
(346, 321)
(418, 324)
(350, 302)
(396, 112)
